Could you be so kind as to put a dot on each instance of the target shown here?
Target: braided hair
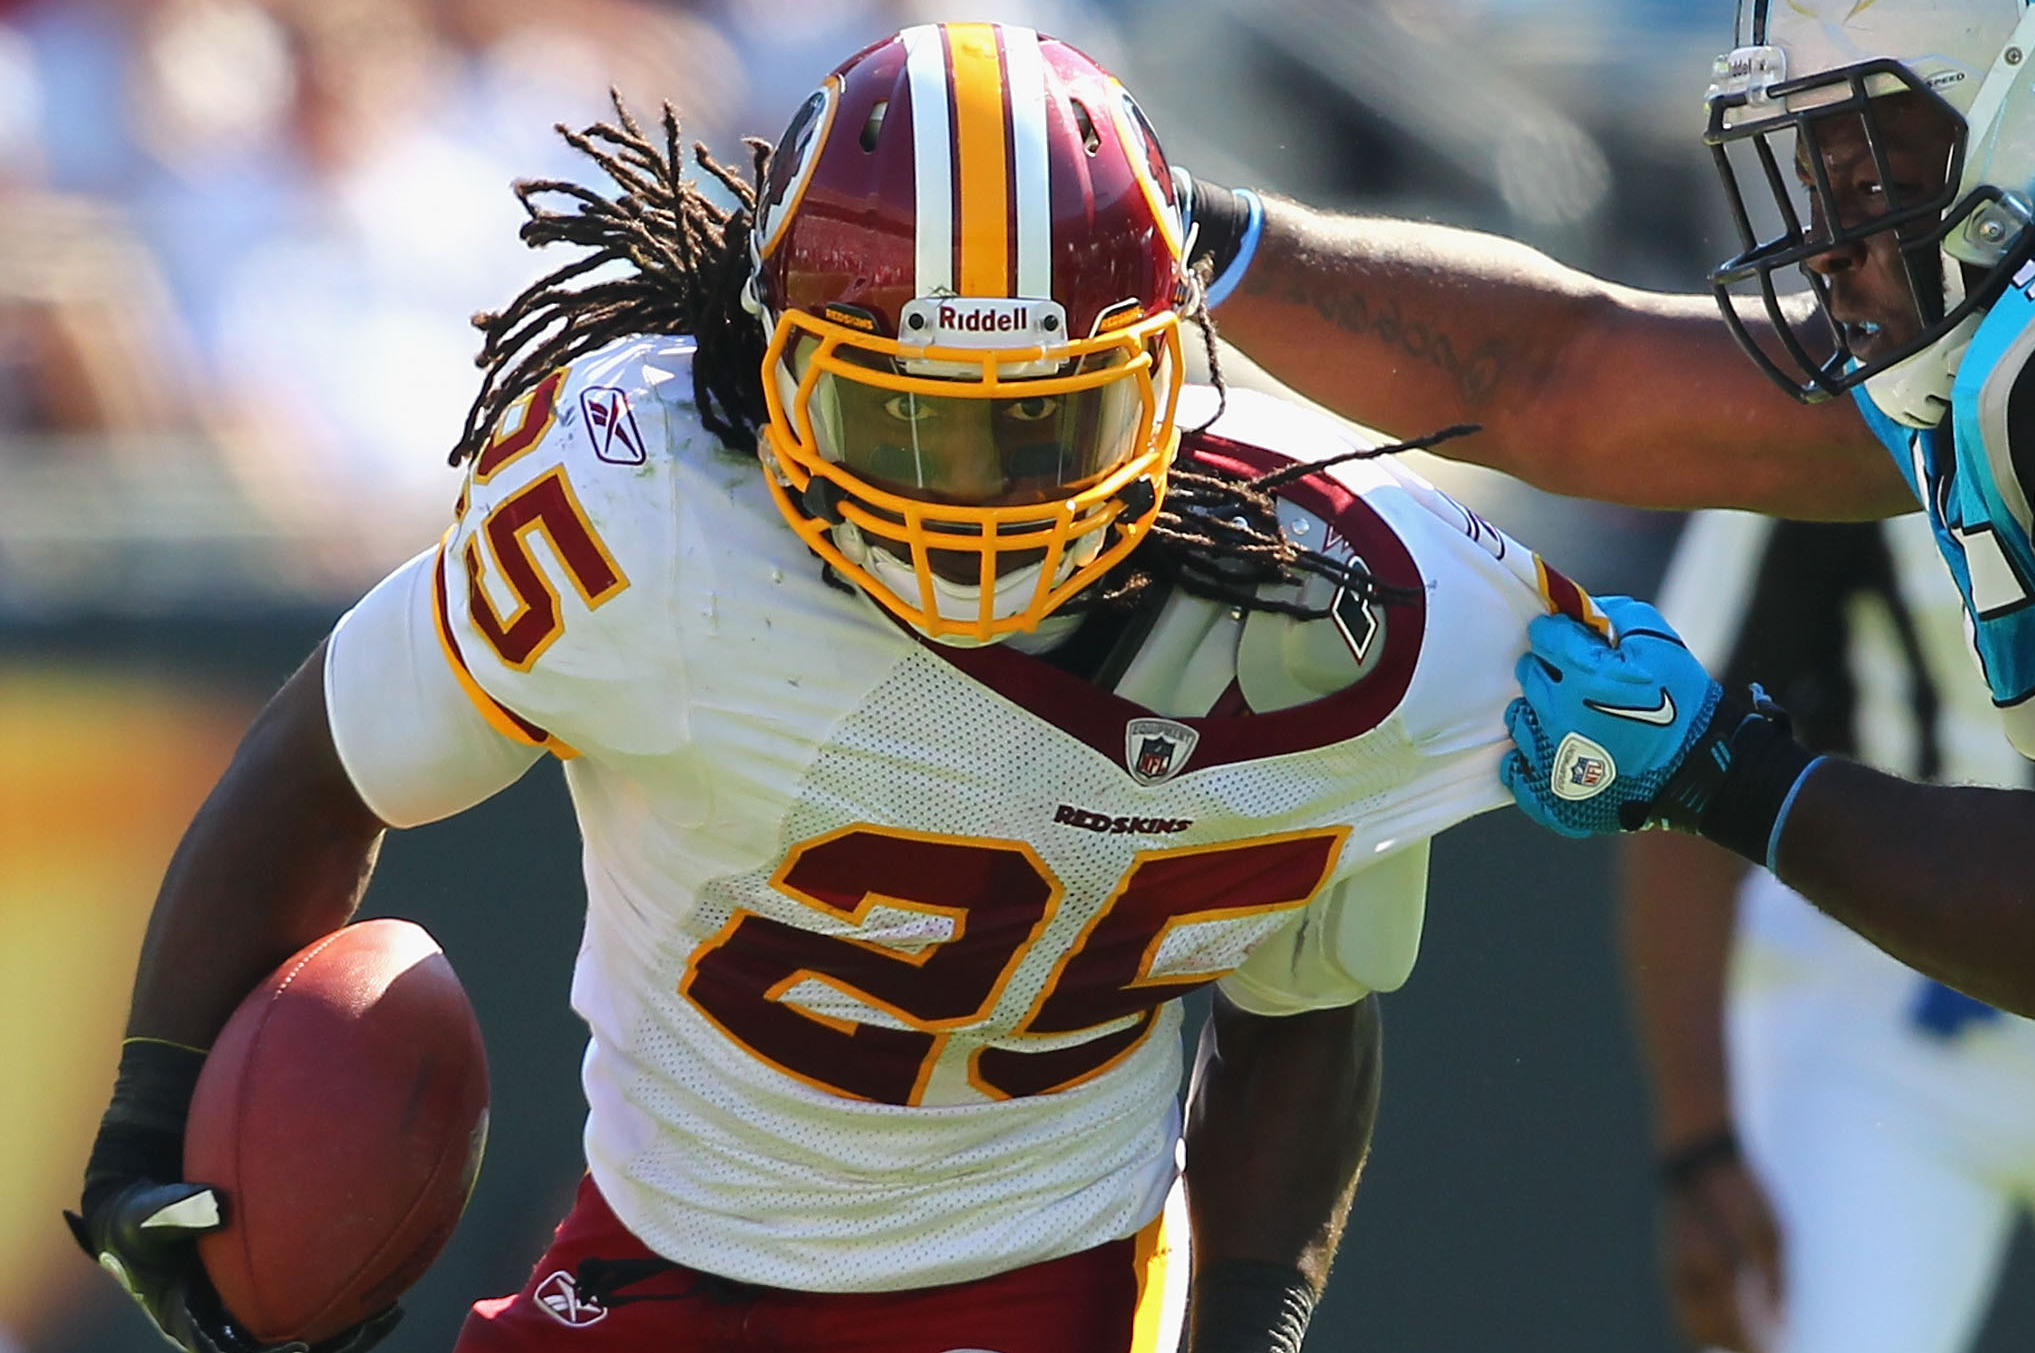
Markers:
(685, 264)
(682, 266)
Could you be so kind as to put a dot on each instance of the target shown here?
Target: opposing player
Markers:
(920, 771)
(1908, 128)
(1887, 1123)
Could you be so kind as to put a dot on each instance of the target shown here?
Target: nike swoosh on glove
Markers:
(1602, 725)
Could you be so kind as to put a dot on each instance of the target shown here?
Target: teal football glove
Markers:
(1601, 725)
(1619, 736)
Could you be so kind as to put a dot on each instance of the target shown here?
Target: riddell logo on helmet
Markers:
(982, 321)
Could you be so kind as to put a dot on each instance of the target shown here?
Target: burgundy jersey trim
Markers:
(1097, 717)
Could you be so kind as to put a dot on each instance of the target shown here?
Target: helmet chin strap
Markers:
(957, 601)
(1915, 391)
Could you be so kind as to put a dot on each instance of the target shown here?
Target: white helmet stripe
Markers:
(1025, 76)
(932, 159)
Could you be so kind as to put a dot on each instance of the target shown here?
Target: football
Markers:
(342, 1112)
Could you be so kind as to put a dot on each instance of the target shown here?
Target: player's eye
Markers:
(1035, 409)
(907, 409)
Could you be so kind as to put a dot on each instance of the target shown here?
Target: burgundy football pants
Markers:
(599, 1290)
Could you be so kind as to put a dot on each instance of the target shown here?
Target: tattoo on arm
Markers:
(1475, 373)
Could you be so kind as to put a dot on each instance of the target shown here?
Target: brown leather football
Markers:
(342, 1113)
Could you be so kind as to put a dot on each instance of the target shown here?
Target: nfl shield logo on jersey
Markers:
(611, 425)
(1156, 750)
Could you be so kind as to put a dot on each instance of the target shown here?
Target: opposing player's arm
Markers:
(1940, 876)
(1936, 875)
(1278, 1123)
(1581, 387)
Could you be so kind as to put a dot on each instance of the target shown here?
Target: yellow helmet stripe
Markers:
(982, 155)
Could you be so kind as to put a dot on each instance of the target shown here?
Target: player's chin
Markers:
(1871, 340)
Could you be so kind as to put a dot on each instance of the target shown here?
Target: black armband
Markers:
(1683, 1166)
(142, 1133)
(1225, 224)
(1249, 1306)
(1737, 780)
(1221, 217)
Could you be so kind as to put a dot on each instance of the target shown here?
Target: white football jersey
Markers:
(884, 938)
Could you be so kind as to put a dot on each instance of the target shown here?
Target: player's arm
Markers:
(1940, 876)
(1680, 901)
(1610, 737)
(278, 855)
(1278, 1123)
(1581, 387)
(373, 730)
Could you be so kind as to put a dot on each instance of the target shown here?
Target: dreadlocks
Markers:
(685, 265)
(1217, 536)
(687, 262)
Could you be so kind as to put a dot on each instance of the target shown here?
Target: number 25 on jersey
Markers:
(547, 507)
(987, 904)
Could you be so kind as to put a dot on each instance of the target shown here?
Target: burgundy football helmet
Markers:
(969, 256)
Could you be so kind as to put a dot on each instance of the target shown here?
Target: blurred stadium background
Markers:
(238, 243)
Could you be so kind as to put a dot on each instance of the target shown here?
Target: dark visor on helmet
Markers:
(1770, 144)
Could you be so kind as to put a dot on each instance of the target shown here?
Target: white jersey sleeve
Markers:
(416, 747)
(558, 578)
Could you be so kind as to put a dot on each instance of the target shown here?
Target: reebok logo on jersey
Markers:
(611, 425)
(562, 1300)
(1071, 816)
(1660, 715)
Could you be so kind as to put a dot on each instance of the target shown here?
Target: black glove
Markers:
(1737, 781)
(143, 1230)
(1225, 224)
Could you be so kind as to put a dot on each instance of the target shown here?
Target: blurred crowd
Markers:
(240, 239)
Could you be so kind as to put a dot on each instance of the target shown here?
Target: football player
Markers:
(1845, 1145)
(1894, 142)
(921, 770)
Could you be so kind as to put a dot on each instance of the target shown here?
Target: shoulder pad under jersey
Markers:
(1432, 558)
(1997, 408)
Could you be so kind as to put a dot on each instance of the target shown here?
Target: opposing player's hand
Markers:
(1723, 1258)
(1602, 726)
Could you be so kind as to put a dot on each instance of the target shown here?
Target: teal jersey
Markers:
(1964, 475)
